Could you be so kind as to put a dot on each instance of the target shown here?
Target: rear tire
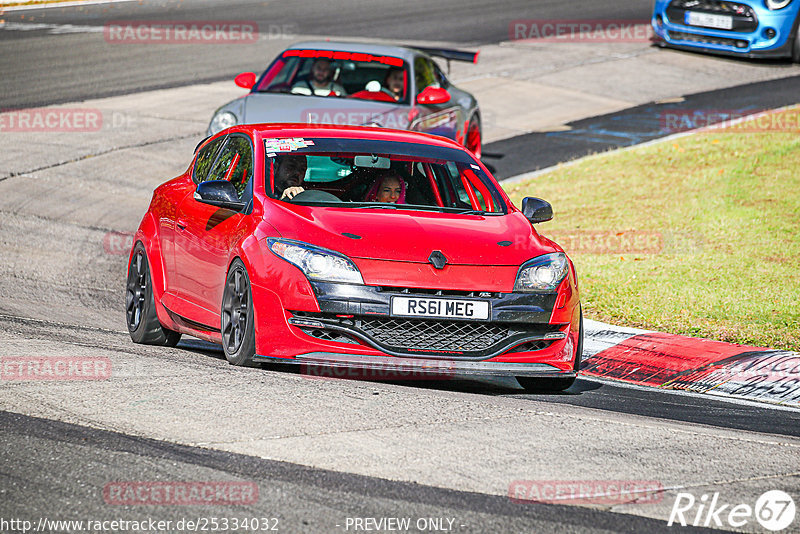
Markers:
(555, 385)
(474, 138)
(238, 321)
(140, 307)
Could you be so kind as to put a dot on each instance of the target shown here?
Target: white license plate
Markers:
(440, 308)
(722, 22)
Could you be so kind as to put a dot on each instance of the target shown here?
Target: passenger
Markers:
(387, 187)
(394, 83)
(320, 81)
(290, 171)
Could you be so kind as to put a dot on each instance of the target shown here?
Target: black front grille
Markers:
(713, 6)
(430, 337)
(532, 346)
(744, 18)
(435, 336)
(330, 335)
(704, 39)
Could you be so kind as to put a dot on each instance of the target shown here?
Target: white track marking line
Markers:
(52, 29)
(28, 7)
(681, 393)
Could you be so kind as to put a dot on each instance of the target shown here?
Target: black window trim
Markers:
(249, 207)
(223, 141)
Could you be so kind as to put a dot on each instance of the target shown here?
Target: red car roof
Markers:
(347, 132)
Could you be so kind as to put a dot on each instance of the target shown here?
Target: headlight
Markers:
(777, 4)
(543, 273)
(317, 263)
(222, 120)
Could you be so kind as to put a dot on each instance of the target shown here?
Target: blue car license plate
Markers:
(708, 20)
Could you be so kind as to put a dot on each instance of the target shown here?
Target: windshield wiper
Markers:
(471, 212)
(386, 206)
(479, 212)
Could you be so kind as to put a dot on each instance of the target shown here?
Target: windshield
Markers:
(338, 74)
(378, 175)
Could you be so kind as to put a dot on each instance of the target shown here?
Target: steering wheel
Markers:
(378, 96)
(312, 195)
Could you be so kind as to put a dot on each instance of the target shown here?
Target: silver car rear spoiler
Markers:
(448, 54)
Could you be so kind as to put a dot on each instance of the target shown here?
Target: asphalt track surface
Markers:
(83, 65)
(80, 459)
(301, 498)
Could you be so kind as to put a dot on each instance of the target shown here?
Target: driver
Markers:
(320, 81)
(290, 171)
(394, 83)
(387, 187)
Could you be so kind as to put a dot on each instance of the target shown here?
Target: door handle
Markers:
(181, 224)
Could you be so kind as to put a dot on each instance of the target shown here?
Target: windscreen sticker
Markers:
(286, 145)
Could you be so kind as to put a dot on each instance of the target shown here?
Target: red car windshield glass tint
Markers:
(354, 179)
(352, 75)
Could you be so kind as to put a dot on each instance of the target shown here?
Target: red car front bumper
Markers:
(344, 325)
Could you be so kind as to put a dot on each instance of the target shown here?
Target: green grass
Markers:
(697, 236)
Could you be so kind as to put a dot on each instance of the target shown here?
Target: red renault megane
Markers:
(353, 247)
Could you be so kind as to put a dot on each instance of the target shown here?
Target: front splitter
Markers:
(316, 361)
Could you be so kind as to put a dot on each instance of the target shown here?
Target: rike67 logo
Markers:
(774, 511)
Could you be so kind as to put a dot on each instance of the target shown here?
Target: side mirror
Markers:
(433, 96)
(220, 193)
(245, 80)
(536, 210)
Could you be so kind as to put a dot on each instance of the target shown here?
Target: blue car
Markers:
(747, 28)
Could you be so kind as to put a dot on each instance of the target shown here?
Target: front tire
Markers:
(238, 320)
(555, 385)
(796, 46)
(140, 307)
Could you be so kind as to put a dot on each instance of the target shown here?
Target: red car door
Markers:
(204, 235)
(171, 197)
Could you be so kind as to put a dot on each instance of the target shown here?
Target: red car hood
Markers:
(411, 236)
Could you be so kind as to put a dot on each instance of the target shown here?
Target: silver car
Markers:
(358, 84)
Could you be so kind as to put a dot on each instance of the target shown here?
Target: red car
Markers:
(354, 247)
